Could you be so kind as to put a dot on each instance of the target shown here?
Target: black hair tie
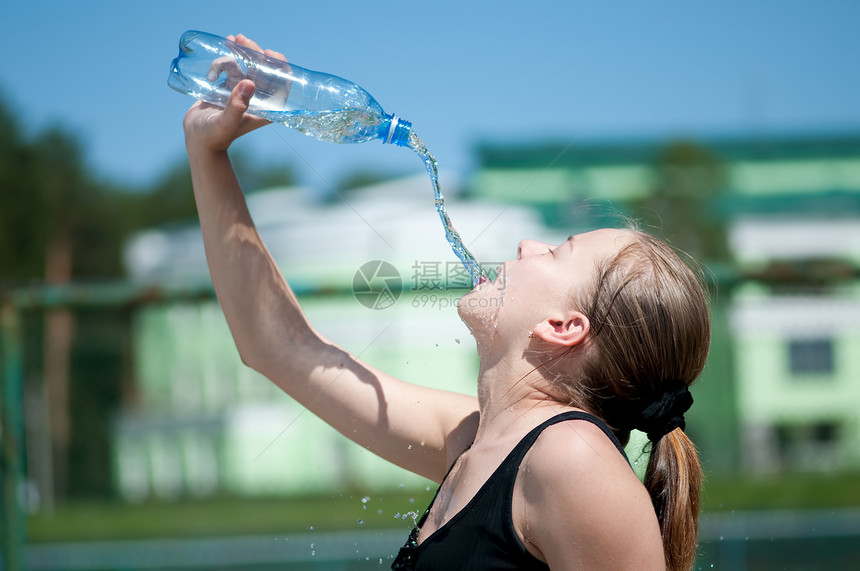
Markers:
(666, 413)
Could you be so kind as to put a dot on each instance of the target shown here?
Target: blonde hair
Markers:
(650, 330)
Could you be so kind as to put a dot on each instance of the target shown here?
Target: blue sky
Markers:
(462, 72)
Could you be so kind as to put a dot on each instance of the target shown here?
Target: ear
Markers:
(565, 331)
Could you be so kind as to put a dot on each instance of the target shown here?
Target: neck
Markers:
(512, 393)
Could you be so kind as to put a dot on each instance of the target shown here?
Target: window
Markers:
(816, 446)
(810, 356)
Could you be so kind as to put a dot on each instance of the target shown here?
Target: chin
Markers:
(480, 310)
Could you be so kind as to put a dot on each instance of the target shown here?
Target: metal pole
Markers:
(11, 433)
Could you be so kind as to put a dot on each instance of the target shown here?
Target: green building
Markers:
(778, 220)
(782, 387)
(206, 424)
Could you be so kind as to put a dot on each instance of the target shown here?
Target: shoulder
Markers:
(577, 460)
(579, 435)
(579, 504)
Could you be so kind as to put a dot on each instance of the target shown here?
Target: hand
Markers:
(274, 88)
(250, 64)
(208, 127)
(249, 43)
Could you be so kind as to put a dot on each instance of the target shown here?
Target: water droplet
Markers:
(312, 545)
(311, 528)
(361, 522)
(379, 512)
(409, 447)
(364, 507)
(365, 499)
(380, 560)
(457, 341)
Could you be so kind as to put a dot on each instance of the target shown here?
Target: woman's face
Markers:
(538, 284)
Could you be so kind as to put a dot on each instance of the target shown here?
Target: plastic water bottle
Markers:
(321, 105)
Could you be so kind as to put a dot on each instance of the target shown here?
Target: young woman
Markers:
(594, 337)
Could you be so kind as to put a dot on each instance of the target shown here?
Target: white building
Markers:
(206, 423)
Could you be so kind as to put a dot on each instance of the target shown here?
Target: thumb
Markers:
(239, 100)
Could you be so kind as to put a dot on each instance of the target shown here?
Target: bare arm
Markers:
(418, 428)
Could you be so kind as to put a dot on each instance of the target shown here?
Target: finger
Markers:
(276, 55)
(248, 43)
(224, 64)
(240, 97)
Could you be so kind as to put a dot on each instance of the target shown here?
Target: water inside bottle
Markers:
(348, 125)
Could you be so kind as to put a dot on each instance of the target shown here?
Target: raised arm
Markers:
(418, 428)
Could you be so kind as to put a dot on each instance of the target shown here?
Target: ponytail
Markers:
(674, 481)
(649, 337)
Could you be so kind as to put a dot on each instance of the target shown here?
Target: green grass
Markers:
(96, 520)
(782, 491)
(102, 520)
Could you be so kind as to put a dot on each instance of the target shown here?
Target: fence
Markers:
(12, 304)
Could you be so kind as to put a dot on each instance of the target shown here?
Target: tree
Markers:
(688, 179)
(65, 188)
(22, 246)
(58, 225)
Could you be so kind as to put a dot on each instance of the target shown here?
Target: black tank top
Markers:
(482, 535)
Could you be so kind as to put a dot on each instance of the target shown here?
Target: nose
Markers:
(530, 247)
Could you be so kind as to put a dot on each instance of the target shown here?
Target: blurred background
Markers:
(132, 436)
